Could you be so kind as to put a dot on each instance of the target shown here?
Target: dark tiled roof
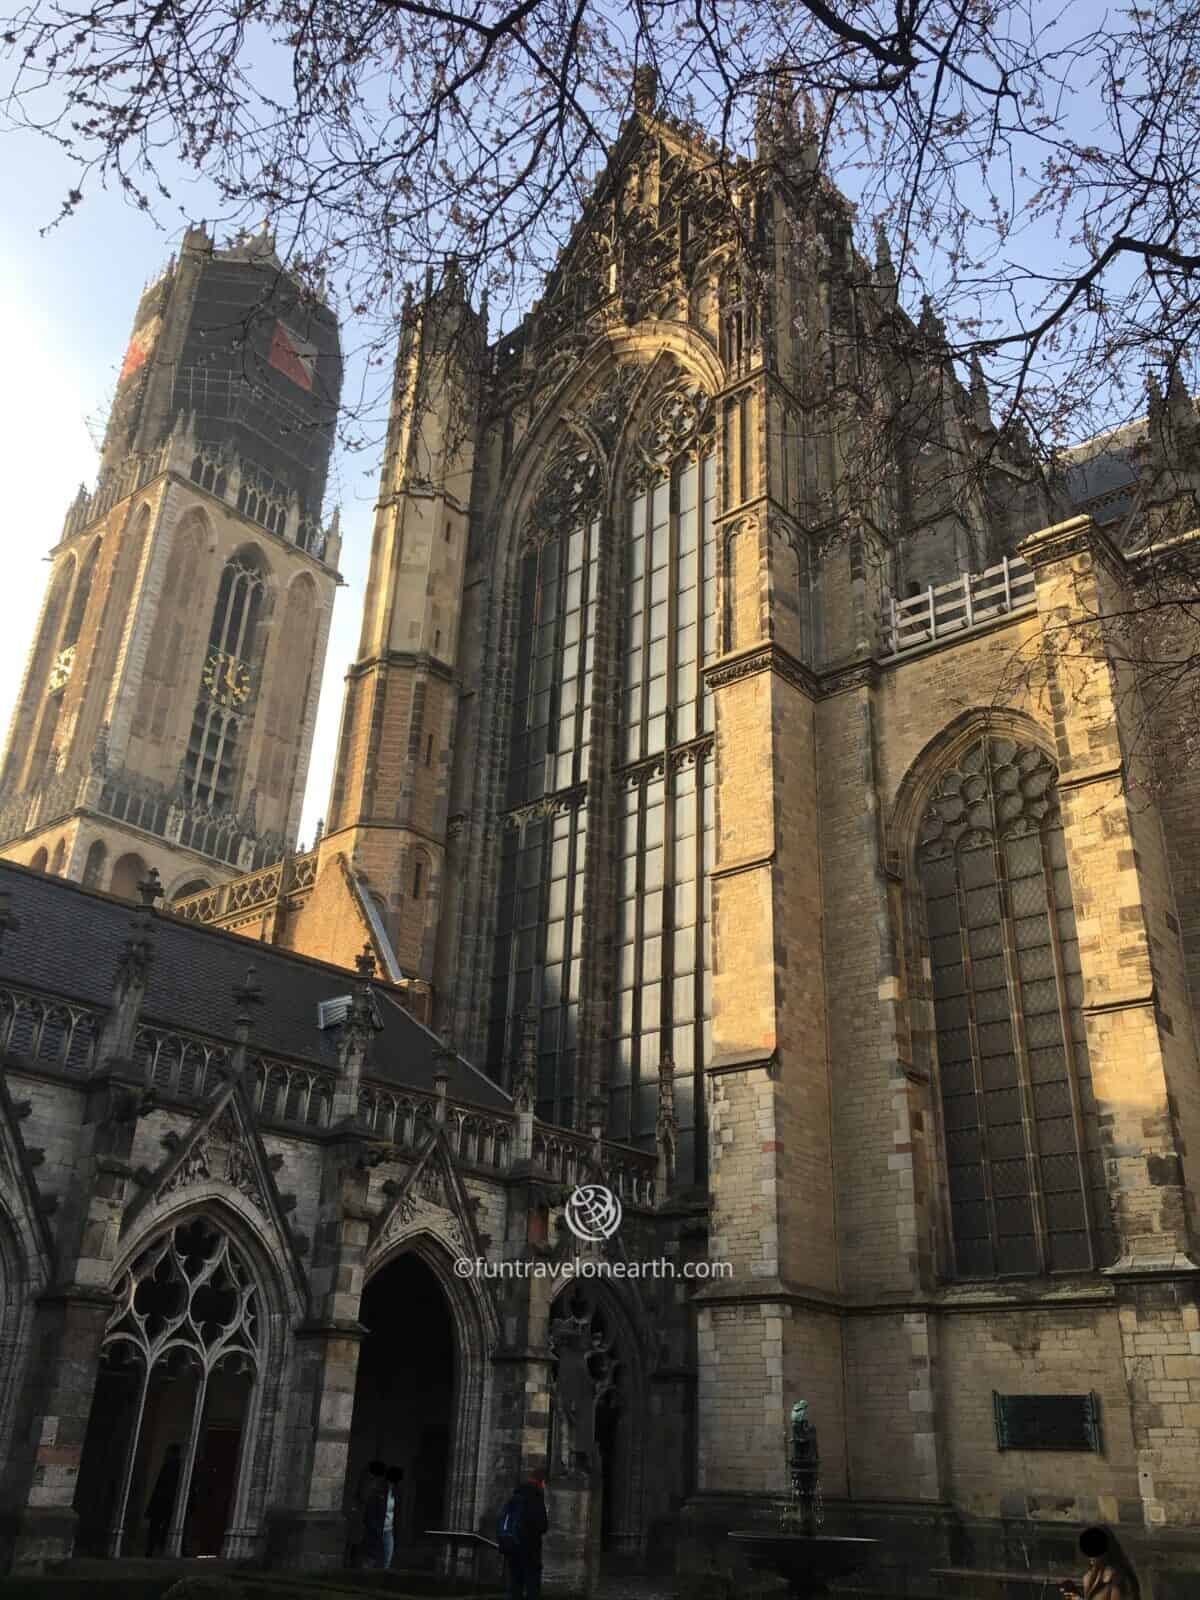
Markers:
(70, 939)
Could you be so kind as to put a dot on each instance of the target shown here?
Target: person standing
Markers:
(519, 1533)
(375, 1506)
(1109, 1574)
(162, 1500)
(395, 1476)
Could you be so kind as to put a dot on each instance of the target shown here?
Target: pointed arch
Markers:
(25, 1267)
(208, 1247)
(476, 1333)
(996, 1002)
(171, 654)
(552, 679)
(615, 1362)
(128, 871)
(228, 691)
(94, 865)
(921, 775)
(291, 683)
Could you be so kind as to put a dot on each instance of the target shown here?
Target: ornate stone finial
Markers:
(364, 962)
(249, 818)
(931, 325)
(666, 1129)
(150, 889)
(248, 993)
(444, 1057)
(318, 831)
(1179, 404)
(645, 90)
(980, 410)
(100, 750)
(525, 1076)
(596, 1113)
(9, 922)
(883, 249)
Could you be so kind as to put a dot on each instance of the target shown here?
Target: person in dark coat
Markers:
(375, 1515)
(522, 1551)
(162, 1500)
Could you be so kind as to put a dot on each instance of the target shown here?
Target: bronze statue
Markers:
(804, 1464)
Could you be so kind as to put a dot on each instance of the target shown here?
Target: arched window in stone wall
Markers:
(658, 607)
(665, 818)
(227, 687)
(128, 872)
(172, 643)
(179, 1363)
(539, 941)
(79, 604)
(288, 699)
(44, 691)
(93, 867)
(1024, 1168)
(58, 860)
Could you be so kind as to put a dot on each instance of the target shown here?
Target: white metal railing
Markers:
(969, 602)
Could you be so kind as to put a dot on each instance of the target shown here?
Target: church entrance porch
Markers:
(161, 1468)
(404, 1403)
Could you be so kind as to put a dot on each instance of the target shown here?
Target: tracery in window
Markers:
(179, 1361)
(1023, 1157)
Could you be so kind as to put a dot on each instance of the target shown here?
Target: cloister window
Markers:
(1023, 1158)
(178, 1365)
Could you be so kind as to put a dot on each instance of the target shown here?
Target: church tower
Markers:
(388, 809)
(167, 710)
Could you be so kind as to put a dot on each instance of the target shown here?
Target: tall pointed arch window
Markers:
(1024, 1167)
(179, 1363)
(539, 933)
(60, 672)
(226, 684)
(665, 822)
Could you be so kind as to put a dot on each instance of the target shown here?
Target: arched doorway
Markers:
(180, 1363)
(404, 1399)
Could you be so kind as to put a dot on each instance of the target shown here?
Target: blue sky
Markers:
(71, 296)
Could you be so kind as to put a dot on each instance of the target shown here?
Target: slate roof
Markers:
(70, 939)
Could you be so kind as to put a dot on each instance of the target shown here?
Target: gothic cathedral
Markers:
(737, 774)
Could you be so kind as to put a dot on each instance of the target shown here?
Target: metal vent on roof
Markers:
(332, 1013)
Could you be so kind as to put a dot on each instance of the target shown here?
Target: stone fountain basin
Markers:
(807, 1561)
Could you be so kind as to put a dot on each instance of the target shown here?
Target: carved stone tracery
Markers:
(997, 788)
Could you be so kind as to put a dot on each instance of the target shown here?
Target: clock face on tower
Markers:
(226, 679)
